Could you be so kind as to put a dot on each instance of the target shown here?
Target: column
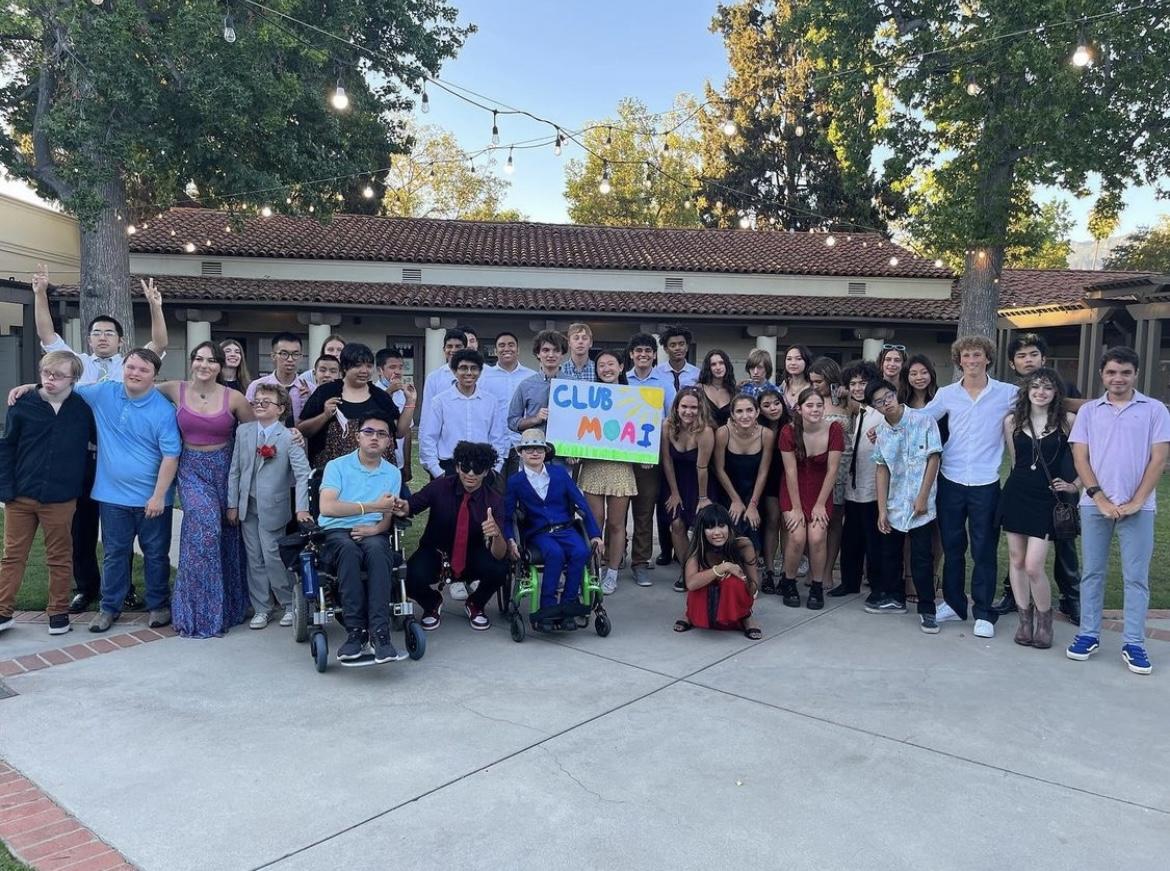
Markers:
(197, 331)
(318, 333)
(433, 356)
(71, 333)
(871, 349)
(768, 343)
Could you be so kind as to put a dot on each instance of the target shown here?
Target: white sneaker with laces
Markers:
(984, 629)
(944, 613)
(458, 591)
(609, 582)
(289, 616)
(259, 621)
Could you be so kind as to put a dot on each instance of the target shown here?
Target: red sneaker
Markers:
(479, 620)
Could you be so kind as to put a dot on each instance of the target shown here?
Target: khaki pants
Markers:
(21, 519)
(643, 506)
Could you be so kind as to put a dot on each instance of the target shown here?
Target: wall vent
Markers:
(211, 267)
(412, 274)
(857, 288)
(674, 283)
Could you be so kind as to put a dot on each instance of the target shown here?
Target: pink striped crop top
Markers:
(200, 430)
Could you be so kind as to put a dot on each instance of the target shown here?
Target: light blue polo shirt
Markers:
(133, 437)
(355, 483)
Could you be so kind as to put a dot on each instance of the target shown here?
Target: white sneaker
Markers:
(289, 616)
(944, 613)
(609, 582)
(458, 591)
(984, 629)
(259, 621)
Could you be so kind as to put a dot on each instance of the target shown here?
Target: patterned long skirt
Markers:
(211, 590)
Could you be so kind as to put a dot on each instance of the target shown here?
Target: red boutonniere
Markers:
(266, 452)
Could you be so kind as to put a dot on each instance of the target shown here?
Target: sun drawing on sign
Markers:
(629, 405)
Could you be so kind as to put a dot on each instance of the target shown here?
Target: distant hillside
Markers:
(1082, 252)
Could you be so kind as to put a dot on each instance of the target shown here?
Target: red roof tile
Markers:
(485, 243)
(1032, 288)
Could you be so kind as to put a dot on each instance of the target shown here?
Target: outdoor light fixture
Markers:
(830, 241)
(266, 212)
(728, 127)
(425, 104)
(604, 187)
(938, 264)
(509, 168)
(189, 247)
(799, 131)
(893, 261)
(557, 144)
(229, 29)
(368, 192)
(131, 230)
(340, 98)
(1083, 56)
(495, 127)
(974, 89)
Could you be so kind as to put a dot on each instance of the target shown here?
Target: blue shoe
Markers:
(1082, 648)
(1135, 657)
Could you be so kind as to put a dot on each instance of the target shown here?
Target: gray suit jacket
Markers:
(267, 481)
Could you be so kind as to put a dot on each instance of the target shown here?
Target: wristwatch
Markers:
(1091, 492)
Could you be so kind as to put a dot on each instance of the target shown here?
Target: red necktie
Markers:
(459, 551)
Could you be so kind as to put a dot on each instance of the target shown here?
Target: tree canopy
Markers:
(118, 109)
(1147, 250)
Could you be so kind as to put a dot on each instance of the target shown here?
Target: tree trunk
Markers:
(979, 291)
(105, 263)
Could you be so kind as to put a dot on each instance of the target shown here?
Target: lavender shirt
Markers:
(1119, 440)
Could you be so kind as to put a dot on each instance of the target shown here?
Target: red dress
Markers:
(810, 475)
(721, 604)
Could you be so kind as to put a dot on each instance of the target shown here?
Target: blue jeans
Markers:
(961, 510)
(121, 524)
(1135, 535)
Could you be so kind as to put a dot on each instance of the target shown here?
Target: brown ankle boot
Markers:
(1024, 631)
(1042, 637)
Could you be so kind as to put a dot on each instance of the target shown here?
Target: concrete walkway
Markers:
(843, 740)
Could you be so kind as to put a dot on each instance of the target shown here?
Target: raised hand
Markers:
(40, 279)
(490, 528)
(152, 293)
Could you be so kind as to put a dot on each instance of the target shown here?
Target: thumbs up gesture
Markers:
(490, 528)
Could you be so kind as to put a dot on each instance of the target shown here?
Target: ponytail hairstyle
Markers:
(798, 423)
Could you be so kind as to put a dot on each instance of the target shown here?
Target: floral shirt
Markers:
(904, 450)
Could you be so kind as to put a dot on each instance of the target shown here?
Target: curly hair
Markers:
(1022, 407)
(728, 380)
(478, 456)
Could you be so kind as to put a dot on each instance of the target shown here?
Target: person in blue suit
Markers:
(548, 496)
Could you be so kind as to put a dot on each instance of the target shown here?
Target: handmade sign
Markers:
(605, 421)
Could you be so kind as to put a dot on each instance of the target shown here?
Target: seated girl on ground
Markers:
(721, 577)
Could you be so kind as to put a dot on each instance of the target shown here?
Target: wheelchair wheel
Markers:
(300, 613)
(516, 627)
(319, 647)
(416, 639)
(602, 625)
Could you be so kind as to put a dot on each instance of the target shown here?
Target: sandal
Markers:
(754, 633)
(683, 626)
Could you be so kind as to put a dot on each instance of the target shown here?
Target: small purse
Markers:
(1066, 519)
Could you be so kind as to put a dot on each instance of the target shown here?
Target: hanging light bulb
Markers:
(340, 98)
(604, 187)
(609, 136)
(312, 208)
(229, 29)
(830, 241)
(557, 143)
(974, 89)
(425, 104)
(687, 203)
(1083, 56)
(745, 222)
(266, 212)
(938, 264)
(189, 247)
(368, 192)
(728, 127)
(131, 229)
(509, 167)
(495, 127)
(799, 130)
(649, 179)
(893, 261)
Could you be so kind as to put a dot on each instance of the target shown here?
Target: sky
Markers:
(572, 62)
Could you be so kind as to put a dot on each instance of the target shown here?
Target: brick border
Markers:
(41, 834)
(97, 647)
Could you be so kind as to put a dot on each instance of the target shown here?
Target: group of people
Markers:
(760, 480)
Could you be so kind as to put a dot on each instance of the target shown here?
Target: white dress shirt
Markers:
(861, 487)
(452, 417)
(94, 369)
(974, 449)
(437, 382)
(501, 384)
(539, 480)
(687, 375)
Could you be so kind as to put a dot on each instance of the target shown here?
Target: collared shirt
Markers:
(753, 389)
(684, 377)
(452, 417)
(94, 368)
(1119, 438)
(353, 482)
(859, 471)
(134, 435)
(298, 392)
(904, 450)
(539, 480)
(502, 384)
(442, 498)
(44, 453)
(588, 372)
(974, 451)
(438, 381)
(399, 397)
(264, 433)
(531, 396)
(654, 379)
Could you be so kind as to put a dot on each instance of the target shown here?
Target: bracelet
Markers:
(406, 407)
(362, 507)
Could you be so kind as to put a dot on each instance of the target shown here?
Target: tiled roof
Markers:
(1034, 288)
(429, 297)
(485, 243)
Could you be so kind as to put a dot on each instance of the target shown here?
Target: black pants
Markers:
(422, 571)
(87, 576)
(921, 565)
(665, 542)
(363, 604)
(861, 546)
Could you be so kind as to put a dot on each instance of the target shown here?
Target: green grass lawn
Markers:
(7, 863)
(34, 594)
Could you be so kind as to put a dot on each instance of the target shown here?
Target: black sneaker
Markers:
(680, 586)
(664, 559)
(132, 602)
(59, 624)
(891, 606)
(80, 603)
(1070, 607)
(384, 649)
(788, 591)
(768, 587)
(354, 645)
(843, 590)
(816, 596)
(1006, 603)
(928, 624)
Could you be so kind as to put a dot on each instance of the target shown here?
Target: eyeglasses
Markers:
(466, 370)
(265, 403)
(374, 433)
(287, 355)
(901, 348)
(103, 334)
(46, 375)
(473, 470)
(532, 447)
(887, 399)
